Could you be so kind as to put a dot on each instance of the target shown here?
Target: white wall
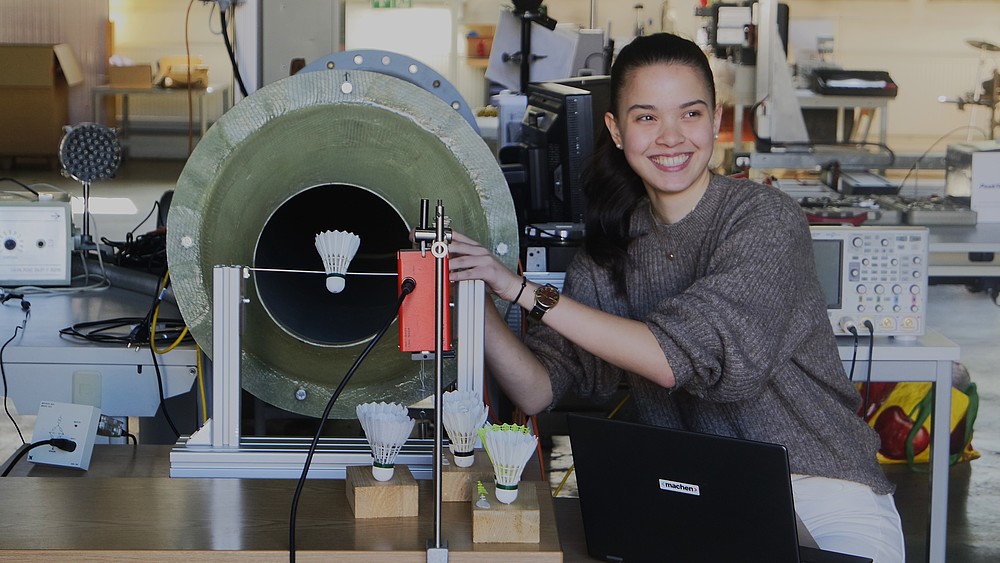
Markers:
(146, 30)
(922, 43)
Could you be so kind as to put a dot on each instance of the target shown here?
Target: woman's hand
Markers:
(469, 260)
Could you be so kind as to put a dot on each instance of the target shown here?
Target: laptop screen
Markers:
(657, 494)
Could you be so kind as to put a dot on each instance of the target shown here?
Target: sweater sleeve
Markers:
(570, 368)
(756, 300)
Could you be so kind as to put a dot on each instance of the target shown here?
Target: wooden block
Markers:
(517, 522)
(381, 499)
(458, 484)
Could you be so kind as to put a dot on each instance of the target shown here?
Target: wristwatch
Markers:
(546, 297)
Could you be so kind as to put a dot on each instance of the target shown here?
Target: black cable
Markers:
(931, 147)
(405, 289)
(542, 230)
(19, 183)
(132, 437)
(61, 443)
(156, 205)
(159, 386)
(26, 307)
(148, 331)
(100, 331)
(868, 376)
(232, 55)
(854, 354)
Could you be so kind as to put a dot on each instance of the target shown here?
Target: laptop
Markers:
(657, 494)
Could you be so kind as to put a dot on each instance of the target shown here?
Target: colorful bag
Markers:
(901, 414)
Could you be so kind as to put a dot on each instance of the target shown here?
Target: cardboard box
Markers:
(34, 94)
(986, 186)
(134, 76)
(172, 72)
(973, 173)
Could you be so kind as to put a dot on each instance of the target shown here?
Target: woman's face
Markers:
(666, 127)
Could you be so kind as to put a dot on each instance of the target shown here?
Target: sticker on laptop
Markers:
(678, 487)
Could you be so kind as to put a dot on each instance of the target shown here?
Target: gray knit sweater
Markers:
(731, 294)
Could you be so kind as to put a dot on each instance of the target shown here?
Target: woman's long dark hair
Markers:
(612, 189)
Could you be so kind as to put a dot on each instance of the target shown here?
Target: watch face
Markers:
(547, 296)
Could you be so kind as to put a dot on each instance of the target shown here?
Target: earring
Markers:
(716, 136)
(618, 146)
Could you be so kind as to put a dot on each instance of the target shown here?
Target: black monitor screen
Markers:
(600, 97)
(558, 125)
(827, 254)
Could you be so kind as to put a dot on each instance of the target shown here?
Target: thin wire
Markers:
(156, 313)
(322, 420)
(232, 54)
(868, 374)
(931, 147)
(854, 356)
(538, 446)
(163, 401)
(103, 284)
(201, 384)
(190, 92)
(285, 271)
(156, 206)
(19, 183)
(3, 374)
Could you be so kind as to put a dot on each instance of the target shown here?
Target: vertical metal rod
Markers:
(424, 223)
(526, 19)
(438, 363)
(85, 238)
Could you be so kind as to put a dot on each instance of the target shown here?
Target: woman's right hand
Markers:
(469, 260)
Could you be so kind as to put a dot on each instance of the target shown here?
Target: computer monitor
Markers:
(599, 87)
(558, 126)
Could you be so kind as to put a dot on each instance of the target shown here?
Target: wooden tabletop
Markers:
(127, 508)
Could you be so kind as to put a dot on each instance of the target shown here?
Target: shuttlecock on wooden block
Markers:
(337, 248)
(463, 414)
(387, 427)
(510, 447)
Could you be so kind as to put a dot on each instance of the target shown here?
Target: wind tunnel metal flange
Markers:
(330, 150)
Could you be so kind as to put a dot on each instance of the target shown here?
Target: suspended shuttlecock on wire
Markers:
(463, 414)
(337, 248)
(510, 447)
(387, 426)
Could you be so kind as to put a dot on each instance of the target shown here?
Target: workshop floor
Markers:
(970, 319)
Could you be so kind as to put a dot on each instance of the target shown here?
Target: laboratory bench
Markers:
(965, 251)
(201, 97)
(126, 507)
(40, 363)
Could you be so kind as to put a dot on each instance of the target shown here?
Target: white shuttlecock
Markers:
(387, 427)
(337, 248)
(463, 414)
(510, 447)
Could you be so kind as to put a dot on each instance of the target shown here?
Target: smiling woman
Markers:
(679, 274)
(667, 126)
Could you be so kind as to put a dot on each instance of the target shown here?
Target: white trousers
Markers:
(848, 517)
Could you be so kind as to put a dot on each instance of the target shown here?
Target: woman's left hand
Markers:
(469, 260)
